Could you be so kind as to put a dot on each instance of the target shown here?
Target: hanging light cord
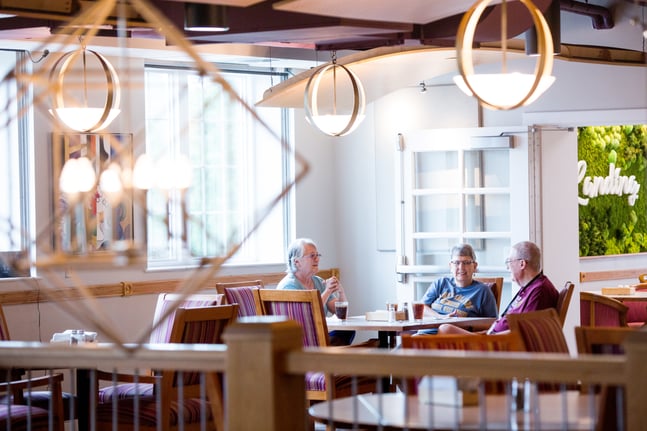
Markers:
(42, 56)
(334, 83)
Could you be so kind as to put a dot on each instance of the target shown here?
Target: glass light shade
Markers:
(504, 90)
(144, 173)
(110, 183)
(336, 123)
(77, 176)
(85, 119)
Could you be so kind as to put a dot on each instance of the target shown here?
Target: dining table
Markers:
(638, 295)
(570, 410)
(388, 331)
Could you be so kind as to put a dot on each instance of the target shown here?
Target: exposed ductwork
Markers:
(601, 16)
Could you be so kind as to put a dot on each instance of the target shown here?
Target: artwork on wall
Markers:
(94, 219)
(612, 176)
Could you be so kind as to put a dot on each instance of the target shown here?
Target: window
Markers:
(237, 167)
(14, 169)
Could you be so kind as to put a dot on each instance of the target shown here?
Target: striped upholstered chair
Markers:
(243, 293)
(305, 307)
(42, 397)
(177, 405)
(163, 320)
(599, 310)
(19, 414)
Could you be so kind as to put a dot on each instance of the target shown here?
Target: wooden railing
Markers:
(264, 365)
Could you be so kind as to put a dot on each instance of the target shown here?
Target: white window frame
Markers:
(254, 250)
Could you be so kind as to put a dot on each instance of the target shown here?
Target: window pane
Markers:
(238, 167)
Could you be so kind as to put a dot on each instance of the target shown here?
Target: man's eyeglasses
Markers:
(312, 255)
(509, 261)
(461, 262)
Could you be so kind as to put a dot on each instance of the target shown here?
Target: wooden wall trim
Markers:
(617, 274)
(124, 288)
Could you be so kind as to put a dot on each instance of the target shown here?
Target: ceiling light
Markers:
(342, 110)
(205, 17)
(71, 99)
(503, 91)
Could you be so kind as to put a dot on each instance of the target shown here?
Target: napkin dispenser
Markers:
(74, 336)
(451, 391)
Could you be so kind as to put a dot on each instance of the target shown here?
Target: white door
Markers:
(460, 185)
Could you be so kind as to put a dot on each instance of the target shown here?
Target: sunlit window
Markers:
(237, 168)
(14, 172)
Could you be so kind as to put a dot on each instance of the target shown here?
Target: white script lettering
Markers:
(612, 184)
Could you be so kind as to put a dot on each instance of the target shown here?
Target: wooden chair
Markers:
(16, 412)
(637, 310)
(243, 293)
(607, 341)
(599, 310)
(508, 342)
(541, 331)
(564, 300)
(305, 306)
(168, 410)
(496, 285)
(165, 311)
(42, 398)
(327, 273)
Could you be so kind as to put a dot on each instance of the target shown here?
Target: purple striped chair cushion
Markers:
(244, 297)
(316, 381)
(191, 409)
(637, 313)
(19, 417)
(604, 315)
(302, 313)
(125, 391)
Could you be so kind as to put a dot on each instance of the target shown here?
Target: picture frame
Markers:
(92, 221)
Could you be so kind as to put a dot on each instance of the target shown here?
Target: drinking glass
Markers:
(418, 310)
(341, 310)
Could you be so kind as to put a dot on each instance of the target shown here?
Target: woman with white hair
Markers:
(302, 267)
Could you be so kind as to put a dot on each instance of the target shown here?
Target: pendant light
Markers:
(505, 90)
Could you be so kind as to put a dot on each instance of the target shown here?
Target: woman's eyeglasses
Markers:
(312, 255)
(461, 262)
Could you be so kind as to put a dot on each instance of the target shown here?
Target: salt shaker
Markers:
(405, 305)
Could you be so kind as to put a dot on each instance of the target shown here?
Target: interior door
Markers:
(460, 185)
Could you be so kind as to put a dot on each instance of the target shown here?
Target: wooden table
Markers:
(397, 411)
(387, 331)
(640, 295)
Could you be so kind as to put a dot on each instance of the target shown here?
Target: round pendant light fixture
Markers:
(71, 104)
(503, 91)
(342, 110)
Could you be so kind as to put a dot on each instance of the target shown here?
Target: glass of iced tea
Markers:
(418, 310)
(341, 310)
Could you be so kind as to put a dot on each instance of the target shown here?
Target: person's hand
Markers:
(334, 286)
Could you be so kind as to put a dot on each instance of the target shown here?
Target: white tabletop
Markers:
(359, 323)
(639, 295)
(399, 411)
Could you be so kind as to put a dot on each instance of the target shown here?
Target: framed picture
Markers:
(91, 220)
